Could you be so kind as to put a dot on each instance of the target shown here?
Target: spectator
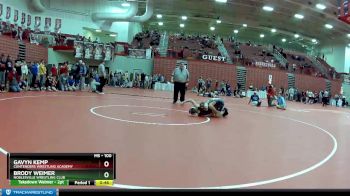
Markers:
(34, 71)
(2, 72)
(42, 74)
(63, 77)
(54, 71)
(71, 83)
(281, 102)
(24, 70)
(102, 76)
(255, 100)
(83, 73)
(94, 84)
(270, 96)
(14, 79)
(51, 83)
(143, 77)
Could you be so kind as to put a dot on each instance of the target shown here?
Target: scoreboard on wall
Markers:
(61, 169)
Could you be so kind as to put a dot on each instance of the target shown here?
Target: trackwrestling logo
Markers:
(16, 192)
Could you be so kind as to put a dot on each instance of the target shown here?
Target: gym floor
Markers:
(158, 145)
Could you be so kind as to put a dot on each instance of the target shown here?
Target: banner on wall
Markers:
(89, 48)
(37, 23)
(8, 13)
(79, 46)
(15, 16)
(214, 58)
(23, 20)
(58, 25)
(108, 52)
(1, 10)
(265, 65)
(47, 24)
(29, 21)
(98, 51)
(270, 79)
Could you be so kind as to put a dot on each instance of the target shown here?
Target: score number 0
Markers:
(106, 164)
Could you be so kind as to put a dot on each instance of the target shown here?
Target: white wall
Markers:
(59, 57)
(134, 28)
(122, 63)
(347, 60)
(335, 56)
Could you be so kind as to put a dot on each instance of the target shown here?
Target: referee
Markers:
(180, 77)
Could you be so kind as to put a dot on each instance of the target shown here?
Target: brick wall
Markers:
(336, 87)
(214, 71)
(305, 82)
(9, 46)
(256, 76)
(260, 77)
(36, 53)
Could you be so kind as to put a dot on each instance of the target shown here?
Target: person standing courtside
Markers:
(180, 77)
(102, 75)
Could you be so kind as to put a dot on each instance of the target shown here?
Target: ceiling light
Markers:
(245, 25)
(262, 35)
(268, 8)
(212, 28)
(314, 40)
(126, 4)
(273, 30)
(296, 36)
(348, 35)
(298, 16)
(221, 1)
(328, 26)
(320, 6)
(235, 31)
(160, 23)
(159, 16)
(284, 40)
(182, 25)
(113, 35)
(184, 17)
(98, 30)
(218, 21)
